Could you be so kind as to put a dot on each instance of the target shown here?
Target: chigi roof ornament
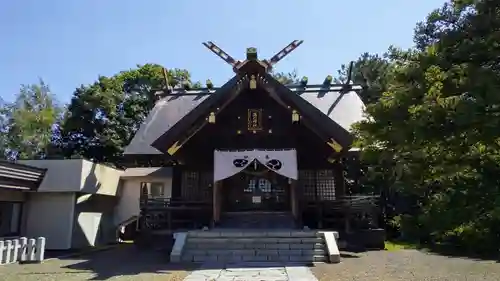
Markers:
(283, 53)
(257, 71)
(252, 55)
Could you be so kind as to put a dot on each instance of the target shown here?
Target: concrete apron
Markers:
(250, 271)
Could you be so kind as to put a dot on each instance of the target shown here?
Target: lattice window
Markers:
(321, 181)
(265, 185)
(250, 187)
(189, 185)
(205, 186)
(307, 179)
(196, 186)
(325, 185)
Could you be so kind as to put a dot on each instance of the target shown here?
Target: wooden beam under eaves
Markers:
(294, 88)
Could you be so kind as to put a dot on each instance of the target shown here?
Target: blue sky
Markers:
(69, 43)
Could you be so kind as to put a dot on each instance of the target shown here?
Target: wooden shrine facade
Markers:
(252, 111)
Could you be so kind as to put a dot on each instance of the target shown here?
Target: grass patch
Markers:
(399, 245)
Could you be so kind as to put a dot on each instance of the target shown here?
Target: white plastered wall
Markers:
(51, 215)
(128, 204)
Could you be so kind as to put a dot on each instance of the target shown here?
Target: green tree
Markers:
(27, 124)
(103, 117)
(436, 127)
(287, 78)
(3, 130)
(371, 70)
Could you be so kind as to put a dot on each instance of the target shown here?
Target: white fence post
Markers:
(40, 249)
(22, 254)
(22, 250)
(8, 250)
(15, 250)
(31, 249)
(2, 251)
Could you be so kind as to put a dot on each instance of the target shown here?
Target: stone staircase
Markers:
(258, 246)
(257, 220)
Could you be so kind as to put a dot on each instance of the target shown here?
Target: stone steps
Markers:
(256, 220)
(260, 246)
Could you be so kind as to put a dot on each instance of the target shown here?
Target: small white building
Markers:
(74, 203)
(16, 181)
(156, 181)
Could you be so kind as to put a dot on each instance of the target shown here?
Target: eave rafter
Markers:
(298, 89)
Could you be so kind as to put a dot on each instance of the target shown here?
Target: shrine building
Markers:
(253, 153)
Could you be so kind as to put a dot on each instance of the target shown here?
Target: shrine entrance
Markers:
(257, 198)
(256, 190)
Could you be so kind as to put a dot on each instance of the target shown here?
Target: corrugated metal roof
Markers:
(165, 114)
(345, 109)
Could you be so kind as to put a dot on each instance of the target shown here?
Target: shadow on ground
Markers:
(50, 254)
(347, 255)
(453, 251)
(130, 260)
(449, 250)
(124, 260)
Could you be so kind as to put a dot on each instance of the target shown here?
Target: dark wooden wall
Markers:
(230, 132)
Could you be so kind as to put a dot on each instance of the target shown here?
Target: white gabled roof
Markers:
(165, 114)
(345, 109)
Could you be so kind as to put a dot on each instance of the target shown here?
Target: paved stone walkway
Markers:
(251, 271)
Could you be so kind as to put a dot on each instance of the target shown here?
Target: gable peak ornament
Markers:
(252, 55)
(253, 83)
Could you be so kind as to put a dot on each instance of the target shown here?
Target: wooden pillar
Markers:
(216, 203)
(296, 196)
(293, 198)
(215, 189)
(318, 204)
(338, 176)
(176, 182)
(341, 192)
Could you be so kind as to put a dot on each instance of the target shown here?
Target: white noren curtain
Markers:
(229, 163)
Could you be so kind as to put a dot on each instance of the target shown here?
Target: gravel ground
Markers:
(123, 263)
(129, 263)
(407, 265)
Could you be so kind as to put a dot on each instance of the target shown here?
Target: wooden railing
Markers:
(171, 214)
(347, 212)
